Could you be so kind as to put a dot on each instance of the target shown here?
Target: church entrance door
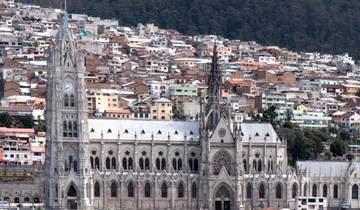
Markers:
(72, 199)
(222, 199)
(72, 203)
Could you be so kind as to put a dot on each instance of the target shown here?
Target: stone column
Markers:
(156, 192)
(138, 185)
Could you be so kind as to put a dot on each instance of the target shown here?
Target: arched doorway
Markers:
(222, 199)
(72, 198)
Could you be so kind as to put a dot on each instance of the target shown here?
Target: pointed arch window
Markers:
(245, 165)
(130, 163)
(92, 162)
(65, 129)
(70, 129)
(181, 190)
(147, 164)
(113, 189)
(75, 129)
(255, 165)
(158, 164)
(193, 163)
(193, 190)
(325, 192)
(66, 100)
(248, 191)
(124, 163)
(75, 165)
(262, 191)
(314, 190)
(147, 190)
(127, 161)
(113, 163)
(164, 190)
(335, 193)
(72, 100)
(66, 165)
(141, 164)
(97, 163)
(174, 164)
(294, 190)
(305, 189)
(259, 165)
(130, 189)
(355, 192)
(163, 164)
(278, 192)
(179, 164)
(108, 163)
(72, 192)
(96, 189)
(196, 165)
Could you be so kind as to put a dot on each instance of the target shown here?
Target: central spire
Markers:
(213, 107)
(215, 80)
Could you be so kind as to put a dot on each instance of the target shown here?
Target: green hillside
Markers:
(311, 25)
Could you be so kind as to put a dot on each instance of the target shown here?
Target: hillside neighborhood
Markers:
(144, 72)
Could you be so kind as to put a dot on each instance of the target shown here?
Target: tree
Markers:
(302, 144)
(269, 115)
(289, 115)
(349, 156)
(357, 93)
(6, 120)
(344, 135)
(338, 148)
(327, 155)
(25, 121)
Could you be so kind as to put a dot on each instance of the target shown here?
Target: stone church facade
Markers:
(102, 163)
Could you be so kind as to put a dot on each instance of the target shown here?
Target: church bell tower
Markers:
(67, 160)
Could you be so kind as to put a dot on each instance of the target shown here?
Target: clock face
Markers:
(67, 87)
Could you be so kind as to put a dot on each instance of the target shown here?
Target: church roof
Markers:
(258, 132)
(143, 130)
(325, 168)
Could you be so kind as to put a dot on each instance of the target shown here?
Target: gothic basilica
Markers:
(100, 163)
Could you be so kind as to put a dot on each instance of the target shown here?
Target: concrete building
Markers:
(161, 109)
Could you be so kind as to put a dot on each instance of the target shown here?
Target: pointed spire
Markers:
(214, 92)
(215, 79)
